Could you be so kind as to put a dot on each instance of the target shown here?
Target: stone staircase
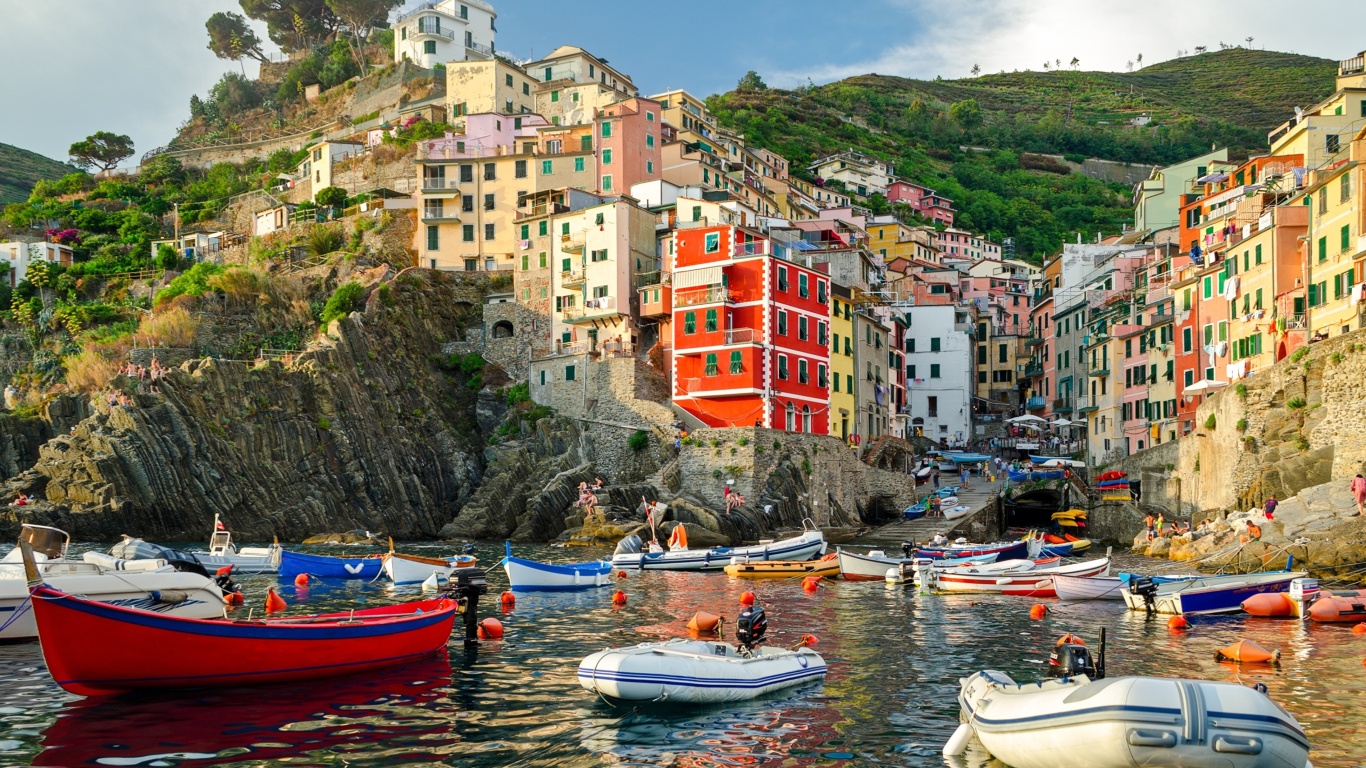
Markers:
(890, 536)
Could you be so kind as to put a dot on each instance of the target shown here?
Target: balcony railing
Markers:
(433, 31)
(606, 305)
(572, 276)
(643, 279)
(1035, 403)
(740, 336)
(438, 183)
(1295, 323)
(714, 295)
(440, 214)
(1062, 404)
(572, 243)
(749, 249)
(1032, 370)
(480, 48)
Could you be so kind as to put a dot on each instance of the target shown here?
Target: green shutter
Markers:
(711, 320)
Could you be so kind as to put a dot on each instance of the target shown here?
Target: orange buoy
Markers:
(1070, 639)
(274, 603)
(1269, 604)
(508, 599)
(1038, 611)
(618, 598)
(1338, 609)
(236, 598)
(811, 583)
(224, 571)
(301, 580)
(1247, 651)
(490, 629)
(1177, 623)
(1359, 629)
(808, 640)
(746, 598)
(704, 622)
(621, 574)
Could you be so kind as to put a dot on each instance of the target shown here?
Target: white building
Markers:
(19, 255)
(572, 64)
(939, 372)
(317, 168)
(861, 174)
(449, 30)
(595, 256)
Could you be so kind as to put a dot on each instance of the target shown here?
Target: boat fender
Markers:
(235, 598)
(703, 622)
(274, 603)
(170, 596)
(811, 584)
(1249, 652)
(431, 583)
(806, 641)
(1177, 624)
(1359, 629)
(1069, 639)
(747, 598)
(508, 599)
(490, 629)
(224, 571)
(1038, 611)
(618, 598)
(301, 580)
(958, 742)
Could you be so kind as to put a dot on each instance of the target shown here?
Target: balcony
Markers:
(481, 49)
(1033, 369)
(1035, 403)
(439, 184)
(1295, 323)
(1062, 404)
(736, 336)
(538, 211)
(592, 308)
(432, 30)
(750, 249)
(1086, 405)
(572, 276)
(441, 213)
(694, 298)
(573, 243)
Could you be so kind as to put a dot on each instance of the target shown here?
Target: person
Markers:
(935, 510)
(597, 484)
(1359, 492)
(963, 475)
(1148, 523)
(935, 475)
(21, 501)
(1269, 508)
(1161, 523)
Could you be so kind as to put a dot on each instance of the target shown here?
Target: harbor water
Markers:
(895, 659)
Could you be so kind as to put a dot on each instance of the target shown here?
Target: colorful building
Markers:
(445, 31)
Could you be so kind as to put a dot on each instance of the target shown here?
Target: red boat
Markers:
(93, 648)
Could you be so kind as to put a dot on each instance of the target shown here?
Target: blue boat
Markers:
(1020, 477)
(1002, 550)
(324, 567)
(915, 511)
(967, 458)
(531, 576)
(1042, 459)
(1212, 594)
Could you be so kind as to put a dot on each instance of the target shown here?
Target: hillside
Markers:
(23, 169)
(1229, 98)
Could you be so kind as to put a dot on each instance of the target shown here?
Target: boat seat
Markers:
(254, 551)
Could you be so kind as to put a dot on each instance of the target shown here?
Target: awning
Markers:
(1202, 387)
(694, 277)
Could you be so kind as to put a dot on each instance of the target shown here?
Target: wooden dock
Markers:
(889, 537)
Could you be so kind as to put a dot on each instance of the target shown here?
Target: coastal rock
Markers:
(352, 537)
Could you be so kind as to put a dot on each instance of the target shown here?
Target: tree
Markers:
(966, 113)
(976, 70)
(102, 149)
(293, 24)
(1199, 49)
(332, 197)
(1129, 65)
(1139, 59)
(1248, 40)
(751, 82)
(361, 16)
(231, 37)
(1076, 62)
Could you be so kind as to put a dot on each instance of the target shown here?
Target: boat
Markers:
(1127, 721)
(1063, 548)
(1018, 476)
(532, 576)
(826, 567)
(244, 560)
(915, 511)
(1003, 550)
(1026, 581)
(1339, 606)
(631, 553)
(1069, 461)
(701, 671)
(171, 588)
(955, 512)
(874, 565)
(1208, 594)
(415, 569)
(94, 649)
(1101, 587)
(326, 567)
(967, 458)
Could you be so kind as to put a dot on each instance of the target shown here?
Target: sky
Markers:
(130, 66)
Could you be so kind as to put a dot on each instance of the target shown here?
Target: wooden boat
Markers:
(826, 567)
(245, 560)
(415, 569)
(1208, 594)
(696, 671)
(1031, 581)
(326, 567)
(1003, 550)
(532, 576)
(93, 649)
(1128, 721)
(955, 512)
(632, 554)
(915, 511)
(874, 565)
(1101, 587)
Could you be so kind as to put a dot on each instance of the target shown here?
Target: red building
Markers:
(750, 332)
(932, 205)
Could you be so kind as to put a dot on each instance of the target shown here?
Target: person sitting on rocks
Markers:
(21, 501)
(597, 484)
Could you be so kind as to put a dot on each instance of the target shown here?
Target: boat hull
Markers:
(324, 567)
(784, 569)
(531, 576)
(129, 589)
(696, 672)
(94, 649)
(1130, 721)
(1034, 583)
(242, 564)
(805, 547)
(411, 569)
(1089, 587)
(1004, 551)
(873, 567)
(1215, 594)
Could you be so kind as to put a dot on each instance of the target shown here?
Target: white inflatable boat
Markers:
(696, 671)
(1127, 721)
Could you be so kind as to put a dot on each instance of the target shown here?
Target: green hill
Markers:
(1227, 98)
(23, 169)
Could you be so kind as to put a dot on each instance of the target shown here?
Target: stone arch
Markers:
(502, 330)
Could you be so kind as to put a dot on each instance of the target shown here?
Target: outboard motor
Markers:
(1070, 660)
(631, 545)
(751, 627)
(223, 578)
(467, 585)
(907, 549)
(468, 548)
(1145, 587)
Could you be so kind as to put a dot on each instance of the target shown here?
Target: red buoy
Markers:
(1359, 629)
(508, 599)
(621, 574)
(236, 598)
(274, 603)
(619, 598)
(301, 580)
(490, 629)
(811, 583)
(1177, 623)
(747, 598)
(1038, 611)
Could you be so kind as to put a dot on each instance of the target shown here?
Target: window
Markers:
(1332, 143)
(586, 143)
(690, 322)
(782, 323)
(802, 289)
(554, 97)
(820, 375)
(821, 332)
(712, 369)
(934, 370)
(801, 327)
(849, 383)
(1346, 237)
(526, 89)
(597, 255)
(508, 80)
(607, 130)
(488, 202)
(802, 375)
(467, 233)
(433, 237)
(934, 344)
(782, 367)
(526, 261)
(607, 157)
(649, 140)
(711, 243)
(606, 183)
(1186, 334)
(791, 411)
(488, 231)
(467, 172)
(847, 348)
(490, 171)
(782, 279)
(429, 47)
(649, 166)
(737, 362)
(599, 291)
(578, 165)
(711, 321)
(820, 291)
(467, 203)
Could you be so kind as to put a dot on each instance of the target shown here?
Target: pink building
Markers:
(486, 134)
(930, 204)
(629, 141)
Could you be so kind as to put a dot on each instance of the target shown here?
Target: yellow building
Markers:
(686, 112)
(597, 252)
(536, 237)
(476, 87)
(1336, 246)
(1321, 133)
(468, 209)
(321, 161)
(843, 394)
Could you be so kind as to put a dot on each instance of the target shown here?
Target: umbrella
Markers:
(1027, 419)
(1201, 387)
(1062, 423)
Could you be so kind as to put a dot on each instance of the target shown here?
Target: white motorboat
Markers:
(177, 587)
(1209, 594)
(631, 553)
(874, 565)
(415, 569)
(1026, 581)
(1127, 721)
(1088, 587)
(532, 576)
(245, 560)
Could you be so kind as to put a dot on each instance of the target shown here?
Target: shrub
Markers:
(192, 282)
(743, 441)
(1295, 403)
(472, 363)
(331, 197)
(806, 466)
(714, 443)
(1241, 426)
(175, 327)
(348, 298)
(1240, 389)
(1299, 355)
(518, 394)
(1336, 358)
(324, 423)
(89, 371)
(639, 440)
(167, 258)
(777, 445)
(1210, 422)
(537, 413)
(1302, 443)
(323, 240)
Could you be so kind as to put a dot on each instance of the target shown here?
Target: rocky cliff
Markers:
(365, 429)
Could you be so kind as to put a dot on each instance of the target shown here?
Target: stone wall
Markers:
(618, 390)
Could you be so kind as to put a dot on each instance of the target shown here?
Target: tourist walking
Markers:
(963, 475)
(935, 476)
(1269, 508)
(1359, 492)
